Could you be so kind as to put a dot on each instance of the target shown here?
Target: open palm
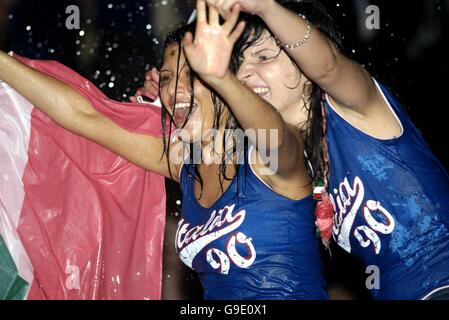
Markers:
(209, 54)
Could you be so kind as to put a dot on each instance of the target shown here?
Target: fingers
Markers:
(201, 11)
(235, 35)
(187, 41)
(155, 74)
(227, 7)
(214, 16)
(151, 86)
(187, 44)
(233, 18)
(214, 3)
(152, 74)
(223, 7)
(151, 90)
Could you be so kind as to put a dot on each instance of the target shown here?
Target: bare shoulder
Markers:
(294, 186)
(378, 118)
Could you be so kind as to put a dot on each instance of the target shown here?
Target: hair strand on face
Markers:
(312, 132)
(222, 115)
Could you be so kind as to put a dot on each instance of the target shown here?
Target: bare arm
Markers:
(253, 112)
(75, 113)
(347, 82)
(343, 79)
(209, 55)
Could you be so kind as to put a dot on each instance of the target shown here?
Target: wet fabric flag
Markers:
(76, 220)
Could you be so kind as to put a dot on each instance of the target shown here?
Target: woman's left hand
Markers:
(255, 7)
(209, 54)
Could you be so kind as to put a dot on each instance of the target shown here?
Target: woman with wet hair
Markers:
(388, 192)
(247, 225)
(384, 195)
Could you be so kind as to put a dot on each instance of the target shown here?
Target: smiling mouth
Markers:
(262, 92)
(181, 113)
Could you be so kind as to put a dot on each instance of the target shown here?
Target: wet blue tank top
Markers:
(252, 243)
(391, 200)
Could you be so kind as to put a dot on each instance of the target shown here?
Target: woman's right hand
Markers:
(209, 52)
(150, 88)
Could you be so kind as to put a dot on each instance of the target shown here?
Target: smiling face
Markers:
(270, 72)
(176, 93)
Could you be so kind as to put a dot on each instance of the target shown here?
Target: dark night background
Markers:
(118, 40)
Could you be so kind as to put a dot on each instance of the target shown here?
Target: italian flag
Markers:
(76, 220)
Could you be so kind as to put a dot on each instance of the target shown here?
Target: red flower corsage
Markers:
(324, 213)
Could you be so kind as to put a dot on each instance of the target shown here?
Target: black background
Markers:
(122, 39)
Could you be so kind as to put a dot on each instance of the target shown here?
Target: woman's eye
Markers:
(265, 58)
(265, 55)
(165, 78)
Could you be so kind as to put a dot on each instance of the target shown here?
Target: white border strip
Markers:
(15, 128)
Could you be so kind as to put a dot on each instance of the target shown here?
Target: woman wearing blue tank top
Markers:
(247, 225)
(388, 192)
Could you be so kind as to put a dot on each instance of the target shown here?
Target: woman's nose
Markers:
(245, 71)
(177, 85)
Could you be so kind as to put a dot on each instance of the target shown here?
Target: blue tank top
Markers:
(252, 243)
(391, 201)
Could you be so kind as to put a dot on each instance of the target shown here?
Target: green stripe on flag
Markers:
(12, 286)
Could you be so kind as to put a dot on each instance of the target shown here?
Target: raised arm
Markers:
(209, 55)
(75, 113)
(347, 82)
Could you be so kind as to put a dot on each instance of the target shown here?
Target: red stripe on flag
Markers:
(92, 223)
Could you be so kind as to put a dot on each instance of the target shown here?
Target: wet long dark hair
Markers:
(220, 115)
(313, 132)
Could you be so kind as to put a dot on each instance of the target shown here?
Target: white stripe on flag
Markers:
(15, 126)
